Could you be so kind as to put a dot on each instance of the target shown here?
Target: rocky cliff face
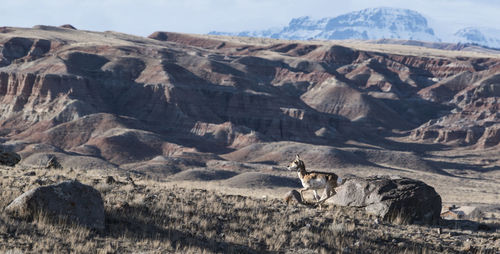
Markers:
(124, 99)
(475, 118)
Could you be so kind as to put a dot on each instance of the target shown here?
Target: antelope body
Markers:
(314, 180)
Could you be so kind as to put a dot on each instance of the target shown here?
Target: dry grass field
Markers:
(149, 216)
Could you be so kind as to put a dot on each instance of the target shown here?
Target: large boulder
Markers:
(392, 198)
(68, 201)
(9, 158)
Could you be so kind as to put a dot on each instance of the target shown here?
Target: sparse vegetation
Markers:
(157, 217)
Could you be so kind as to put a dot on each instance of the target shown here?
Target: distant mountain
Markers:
(376, 24)
(479, 35)
(367, 24)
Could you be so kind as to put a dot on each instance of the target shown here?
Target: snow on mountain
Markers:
(367, 24)
(479, 35)
(268, 33)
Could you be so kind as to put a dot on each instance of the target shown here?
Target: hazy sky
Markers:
(142, 17)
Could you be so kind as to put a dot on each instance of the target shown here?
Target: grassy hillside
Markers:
(143, 215)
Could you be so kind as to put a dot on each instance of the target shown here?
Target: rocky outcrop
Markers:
(68, 26)
(69, 201)
(393, 199)
(491, 137)
(24, 49)
(474, 119)
(161, 36)
(9, 158)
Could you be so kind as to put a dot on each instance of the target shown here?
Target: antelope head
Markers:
(296, 164)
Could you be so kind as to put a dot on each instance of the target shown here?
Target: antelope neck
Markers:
(302, 171)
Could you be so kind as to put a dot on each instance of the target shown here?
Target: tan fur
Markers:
(314, 180)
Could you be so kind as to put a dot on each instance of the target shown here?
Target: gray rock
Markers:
(9, 158)
(394, 199)
(69, 201)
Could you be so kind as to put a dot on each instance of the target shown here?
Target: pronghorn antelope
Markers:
(314, 180)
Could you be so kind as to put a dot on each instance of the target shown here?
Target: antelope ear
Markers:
(297, 157)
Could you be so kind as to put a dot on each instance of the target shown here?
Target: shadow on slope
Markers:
(252, 180)
(203, 174)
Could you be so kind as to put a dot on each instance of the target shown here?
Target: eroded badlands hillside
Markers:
(176, 101)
